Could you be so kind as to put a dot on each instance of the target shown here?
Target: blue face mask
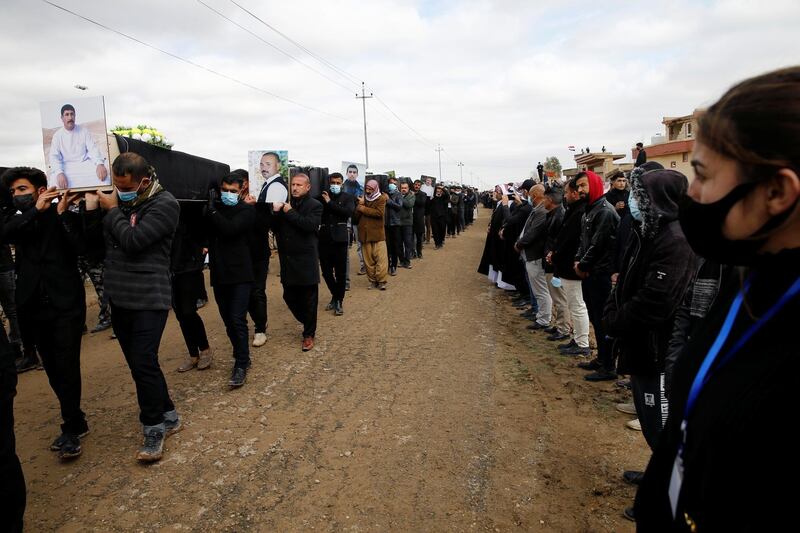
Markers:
(229, 198)
(127, 196)
(530, 201)
(633, 205)
(392, 187)
(336, 189)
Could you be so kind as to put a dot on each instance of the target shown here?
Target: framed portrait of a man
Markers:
(269, 175)
(76, 143)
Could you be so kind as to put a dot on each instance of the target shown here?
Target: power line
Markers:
(319, 58)
(271, 45)
(192, 63)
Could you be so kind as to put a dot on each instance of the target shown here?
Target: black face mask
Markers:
(702, 226)
(23, 202)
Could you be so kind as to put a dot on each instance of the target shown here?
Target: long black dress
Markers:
(493, 251)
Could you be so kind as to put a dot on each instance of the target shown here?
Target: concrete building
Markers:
(674, 148)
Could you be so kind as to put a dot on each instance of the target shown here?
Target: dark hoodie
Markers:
(598, 234)
(658, 267)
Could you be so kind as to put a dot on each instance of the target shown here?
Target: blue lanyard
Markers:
(703, 375)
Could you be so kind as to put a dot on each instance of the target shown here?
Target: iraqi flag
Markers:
(571, 147)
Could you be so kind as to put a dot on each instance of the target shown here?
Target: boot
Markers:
(28, 361)
(338, 311)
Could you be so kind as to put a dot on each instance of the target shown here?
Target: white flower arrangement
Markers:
(144, 133)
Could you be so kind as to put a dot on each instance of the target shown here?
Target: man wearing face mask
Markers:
(139, 223)
(49, 294)
(394, 243)
(639, 315)
(230, 224)
(438, 216)
(421, 205)
(407, 224)
(726, 453)
(337, 208)
(594, 264)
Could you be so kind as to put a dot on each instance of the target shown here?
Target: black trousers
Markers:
(139, 334)
(302, 301)
(438, 227)
(58, 335)
(258, 296)
(596, 289)
(452, 223)
(12, 481)
(418, 236)
(394, 244)
(232, 302)
(407, 234)
(461, 220)
(185, 293)
(333, 263)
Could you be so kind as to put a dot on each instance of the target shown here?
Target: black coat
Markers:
(229, 244)
(640, 312)
(438, 206)
(739, 451)
(297, 234)
(47, 246)
(258, 238)
(493, 249)
(421, 205)
(555, 218)
(598, 239)
(189, 240)
(567, 241)
(335, 215)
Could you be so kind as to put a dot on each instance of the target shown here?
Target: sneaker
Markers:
(627, 408)
(308, 343)
(238, 377)
(594, 364)
(337, 310)
(634, 477)
(535, 326)
(153, 447)
(628, 513)
(570, 344)
(330, 305)
(206, 356)
(362, 272)
(601, 374)
(393, 271)
(634, 424)
(70, 447)
(28, 361)
(201, 302)
(382, 286)
(188, 364)
(558, 336)
(172, 426)
(259, 339)
(101, 326)
(58, 443)
(551, 330)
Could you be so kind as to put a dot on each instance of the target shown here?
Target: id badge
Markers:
(675, 481)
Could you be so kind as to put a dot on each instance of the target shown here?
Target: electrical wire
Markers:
(194, 64)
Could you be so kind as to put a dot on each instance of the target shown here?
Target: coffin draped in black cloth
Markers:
(186, 176)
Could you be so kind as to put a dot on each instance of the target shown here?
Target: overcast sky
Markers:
(501, 85)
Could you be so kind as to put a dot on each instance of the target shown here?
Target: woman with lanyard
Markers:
(726, 451)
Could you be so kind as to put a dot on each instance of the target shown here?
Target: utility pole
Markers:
(461, 172)
(363, 99)
(440, 149)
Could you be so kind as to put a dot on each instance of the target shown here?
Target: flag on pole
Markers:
(571, 147)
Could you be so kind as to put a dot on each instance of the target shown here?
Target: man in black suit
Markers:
(49, 293)
(296, 226)
(337, 208)
(231, 222)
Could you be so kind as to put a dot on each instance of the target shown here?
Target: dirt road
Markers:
(427, 407)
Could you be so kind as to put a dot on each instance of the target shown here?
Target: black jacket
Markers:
(567, 241)
(656, 270)
(598, 238)
(297, 235)
(47, 246)
(555, 218)
(258, 238)
(438, 206)
(739, 452)
(189, 240)
(335, 215)
(421, 206)
(229, 243)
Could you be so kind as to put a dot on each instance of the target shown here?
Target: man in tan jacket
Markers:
(369, 214)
